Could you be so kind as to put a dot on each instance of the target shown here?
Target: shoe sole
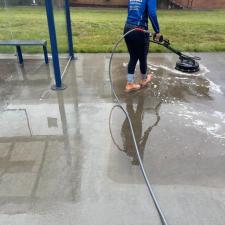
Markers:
(132, 90)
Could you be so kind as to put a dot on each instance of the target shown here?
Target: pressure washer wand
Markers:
(185, 64)
(165, 43)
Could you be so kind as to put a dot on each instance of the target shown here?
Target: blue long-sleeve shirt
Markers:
(140, 10)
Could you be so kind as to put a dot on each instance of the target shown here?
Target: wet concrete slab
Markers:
(63, 162)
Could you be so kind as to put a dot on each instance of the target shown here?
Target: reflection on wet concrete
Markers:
(16, 79)
(187, 120)
(136, 115)
(168, 87)
(58, 164)
(27, 126)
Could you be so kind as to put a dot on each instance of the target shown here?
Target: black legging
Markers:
(138, 45)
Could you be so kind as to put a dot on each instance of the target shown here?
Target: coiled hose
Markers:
(119, 105)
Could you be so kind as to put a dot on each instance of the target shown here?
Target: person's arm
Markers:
(152, 8)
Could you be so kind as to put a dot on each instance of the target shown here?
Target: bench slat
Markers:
(24, 42)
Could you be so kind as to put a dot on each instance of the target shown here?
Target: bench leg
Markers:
(19, 54)
(45, 54)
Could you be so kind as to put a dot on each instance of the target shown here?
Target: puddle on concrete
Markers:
(182, 99)
(167, 84)
(15, 78)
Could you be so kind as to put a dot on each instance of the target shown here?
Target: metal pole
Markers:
(55, 55)
(69, 29)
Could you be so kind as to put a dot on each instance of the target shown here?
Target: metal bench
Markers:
(19, 43)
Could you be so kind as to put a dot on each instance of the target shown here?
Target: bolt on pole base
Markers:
(61, 88)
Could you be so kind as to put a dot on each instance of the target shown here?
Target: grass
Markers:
(96, 30)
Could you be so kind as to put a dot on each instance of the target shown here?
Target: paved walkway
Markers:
(60, 166)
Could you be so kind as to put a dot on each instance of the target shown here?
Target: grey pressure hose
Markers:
(119, 105)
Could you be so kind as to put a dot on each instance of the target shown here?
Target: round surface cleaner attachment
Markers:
(187, 65)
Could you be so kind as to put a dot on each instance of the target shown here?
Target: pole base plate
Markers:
(55, 88)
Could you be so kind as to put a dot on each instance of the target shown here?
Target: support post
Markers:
(69, 29)
(45, 54)
(55, 56)
(19, 54)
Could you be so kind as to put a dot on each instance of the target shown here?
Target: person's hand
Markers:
(158, 37)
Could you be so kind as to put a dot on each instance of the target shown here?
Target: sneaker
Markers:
(144, 83)
(132, 87)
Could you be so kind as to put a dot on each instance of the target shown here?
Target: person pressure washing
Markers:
(138, 42)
